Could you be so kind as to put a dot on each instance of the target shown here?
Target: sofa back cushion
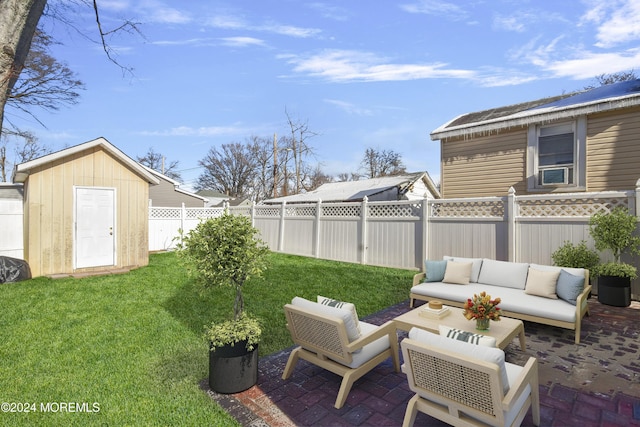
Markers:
(504, 273)
(475, 267)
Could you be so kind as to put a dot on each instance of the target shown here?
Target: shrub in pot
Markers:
(614, 231)
(226, 251)
(576, 256)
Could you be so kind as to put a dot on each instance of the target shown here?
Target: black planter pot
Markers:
(233, 369)
(614, 290)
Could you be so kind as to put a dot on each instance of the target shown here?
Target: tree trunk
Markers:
(18, 22)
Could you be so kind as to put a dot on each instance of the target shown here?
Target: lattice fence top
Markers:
(165, 213)
(578, 207)
(298, 211)
(404, 210)
(203, 213)
(345, 211)
(494, 208)
(268, 211)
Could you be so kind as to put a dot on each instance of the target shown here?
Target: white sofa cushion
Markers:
(475, 268)
(542, 283)
(457, 272)
(488, 354)
(514, 300)
(345, 315)
(504, 273)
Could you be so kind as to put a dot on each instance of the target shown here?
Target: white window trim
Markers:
(580, 159)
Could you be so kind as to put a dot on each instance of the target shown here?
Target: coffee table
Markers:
(504, 331)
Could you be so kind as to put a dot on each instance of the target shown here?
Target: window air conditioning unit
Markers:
(555, 176)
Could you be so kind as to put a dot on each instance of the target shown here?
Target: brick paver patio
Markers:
(571, 392)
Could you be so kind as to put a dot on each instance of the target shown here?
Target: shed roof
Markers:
(603, 98)
(353, 191)
(22, 170)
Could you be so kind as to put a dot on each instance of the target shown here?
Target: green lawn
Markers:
(132, 344)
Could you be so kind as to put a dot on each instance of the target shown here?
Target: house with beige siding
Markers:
(577, 142)
(85, 210)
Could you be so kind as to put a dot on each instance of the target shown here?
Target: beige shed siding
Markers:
(613, 150)
(49, 195)
(484, 166)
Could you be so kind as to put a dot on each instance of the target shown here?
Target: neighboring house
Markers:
(85, 210)
(400, 187)
(169, 194)
(584, 141)
(214, 198)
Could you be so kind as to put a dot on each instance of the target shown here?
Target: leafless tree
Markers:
(262, 152)
(229, 170)
(28, 149)
(157, 162)
(316, 178)
(378, 163)
(299, 146)
(18, 22)
(607, 79)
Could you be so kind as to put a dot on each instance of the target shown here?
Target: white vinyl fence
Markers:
(11, 214)
(402, 234)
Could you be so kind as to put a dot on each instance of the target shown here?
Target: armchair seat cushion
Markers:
(370, 350)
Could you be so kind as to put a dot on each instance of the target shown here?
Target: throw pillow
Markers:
(465, 336)
(475, 268)
(569, 286)
(542, 283)
(345, 305)
(434, 270)
(457, 272)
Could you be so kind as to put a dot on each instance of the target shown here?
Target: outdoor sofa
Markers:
(544, 294)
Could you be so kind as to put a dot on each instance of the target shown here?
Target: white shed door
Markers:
(95, 227)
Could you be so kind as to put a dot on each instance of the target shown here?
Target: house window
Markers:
(556, 156)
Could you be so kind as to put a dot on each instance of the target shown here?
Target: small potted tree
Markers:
(225, 251)
(614, 231)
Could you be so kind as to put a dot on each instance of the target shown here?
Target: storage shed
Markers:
(85, 210)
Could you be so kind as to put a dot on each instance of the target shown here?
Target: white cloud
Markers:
(349, 108)
(621, 26)
(232, 22)
(336, 13)
(242, 41)
(349, 66)
(436, 7)
(589, 64)
(200, 131)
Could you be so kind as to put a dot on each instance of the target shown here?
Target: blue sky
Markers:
(361, 73)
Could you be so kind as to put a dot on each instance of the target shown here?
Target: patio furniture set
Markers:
(458, 374)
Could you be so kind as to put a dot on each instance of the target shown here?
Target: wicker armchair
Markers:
(323, 340)
(463, 390)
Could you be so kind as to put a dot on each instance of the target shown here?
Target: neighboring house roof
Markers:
(22, 170)
(212, 193)
(353, 191)
(176, 184)
(604, 98)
